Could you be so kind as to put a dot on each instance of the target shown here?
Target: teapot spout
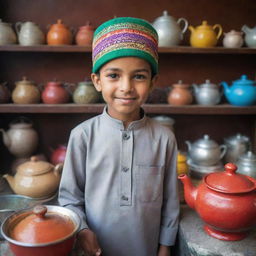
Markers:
(195, 86)
(190, 191)
(245, 29)
(6, 138)
(189, 144)
(226, 87)
(191, 28)
(10, 180)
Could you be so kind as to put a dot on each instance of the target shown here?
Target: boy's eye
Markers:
(112, 75)
(140, 77)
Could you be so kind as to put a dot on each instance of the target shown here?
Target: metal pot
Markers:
(247, 164)
(41, 231)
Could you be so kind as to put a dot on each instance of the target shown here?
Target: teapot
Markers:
(84, 35)
(247, 164)
(250, 36)
(207, 93)
(58, 155)
(242, 92)
(205, 35)
(169, 30)
(29, 33)
(5, 93)
(21, 139)
(226, 202)
(59, 34)
(237, 145)
(7, 35)
(35, 178)
(205, 151)
(233, 39)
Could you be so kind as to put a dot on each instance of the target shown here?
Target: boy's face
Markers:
(125, 84)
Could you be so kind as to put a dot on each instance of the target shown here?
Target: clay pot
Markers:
(25, 92)
(55, 93)
(84, 35)
(7, 35)
(5, 93)
(42, 231)
(180, 94)
(58, 155)
(59, 34)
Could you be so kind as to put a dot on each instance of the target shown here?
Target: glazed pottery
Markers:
(242, 92)
(205, 151)
(7, 35)
(180, 94)
(84, 35)
(25, 92)
(58, 155)
(182, 166)
(86, 93)
(5, 93)
(35, 178)
(233, 39)
(237, 145)
(247, 164)
(29, 33)
(55, 93)
(59, 34)
(205, 35)
(169, 30)
(21, 138)
(42, 231)
(207, 93)
(250, 36)
(226, 202)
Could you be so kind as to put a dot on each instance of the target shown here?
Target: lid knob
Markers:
(40, 211)
(230, 168)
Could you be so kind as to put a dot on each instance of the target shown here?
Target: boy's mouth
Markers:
(126, 100)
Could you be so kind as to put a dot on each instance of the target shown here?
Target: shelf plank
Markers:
(223, 109)
(173, 50)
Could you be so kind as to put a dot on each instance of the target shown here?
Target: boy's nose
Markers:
(126, 85)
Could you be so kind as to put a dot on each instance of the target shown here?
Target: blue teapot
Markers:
(242, 92)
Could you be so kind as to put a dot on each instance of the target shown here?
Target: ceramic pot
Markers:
(7, 35)
(169, 30)
(58, 155)
(59, 34)
(25, 92)
(233, 39)
(166, 121)
(84, 35)
(29, 33)
(43, 231)
(247, 164)
(35, 178)
(21, 138)
(180, 94)
(5, 93)
(225, 201)
(205, 35)
(250, 36)
(55, 93)
(85, 93)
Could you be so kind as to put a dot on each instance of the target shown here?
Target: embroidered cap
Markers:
(125, 37)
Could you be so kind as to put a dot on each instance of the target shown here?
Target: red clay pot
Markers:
(58, 155)
(84, 35)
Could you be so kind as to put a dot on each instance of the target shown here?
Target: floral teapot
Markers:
(226, 202)
(242, 92)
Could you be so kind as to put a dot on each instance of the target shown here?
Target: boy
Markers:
(120, 169)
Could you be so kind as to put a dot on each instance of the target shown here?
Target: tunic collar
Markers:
(115, 123)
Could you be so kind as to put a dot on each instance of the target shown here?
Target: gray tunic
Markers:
(122, 183)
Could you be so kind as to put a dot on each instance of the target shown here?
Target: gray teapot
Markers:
(7, 35)
(237, 145)
(246, 164)
(207, 93)
(250, 36)
(205, 152)
(168, 29)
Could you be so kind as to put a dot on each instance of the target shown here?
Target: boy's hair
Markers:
(125, 37)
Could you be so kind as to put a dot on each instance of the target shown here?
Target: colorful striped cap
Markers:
(125, 37)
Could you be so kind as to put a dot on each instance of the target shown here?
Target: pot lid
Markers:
(229, 181)
(34, 167)
(25, 81)
(41, 226)
(206, 142)
(237, 139)
(244, 81)
(165, 17)
(208, 84)
(248, 157)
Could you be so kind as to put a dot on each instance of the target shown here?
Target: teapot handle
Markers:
(218, 26)
(223, 149)
(58, 169)
(17, 27)
(185, 24)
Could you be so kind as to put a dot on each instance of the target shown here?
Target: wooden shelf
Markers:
(223, 109)
(173, 50)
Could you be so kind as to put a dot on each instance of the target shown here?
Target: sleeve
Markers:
(171, 204)
(72, 185)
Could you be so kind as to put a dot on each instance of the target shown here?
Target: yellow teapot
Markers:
(205, 35)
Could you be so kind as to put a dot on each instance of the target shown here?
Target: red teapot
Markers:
(58, 155)
(84, 35)
(226, 201)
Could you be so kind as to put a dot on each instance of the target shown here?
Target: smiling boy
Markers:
(120, 168)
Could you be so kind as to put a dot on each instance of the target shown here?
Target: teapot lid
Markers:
(237, 139)
(205, 25)
(206, 142)
(248, 157)
(229, 181)
(34, 167)
(24, 81)
(41, 226)
(244, 81)
(208, 84)
(164, 17)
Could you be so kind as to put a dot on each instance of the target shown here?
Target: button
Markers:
(125, 169)
(125, 198)
(126, 136)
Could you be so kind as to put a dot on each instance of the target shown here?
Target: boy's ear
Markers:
(96, 81)
(153, 82)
